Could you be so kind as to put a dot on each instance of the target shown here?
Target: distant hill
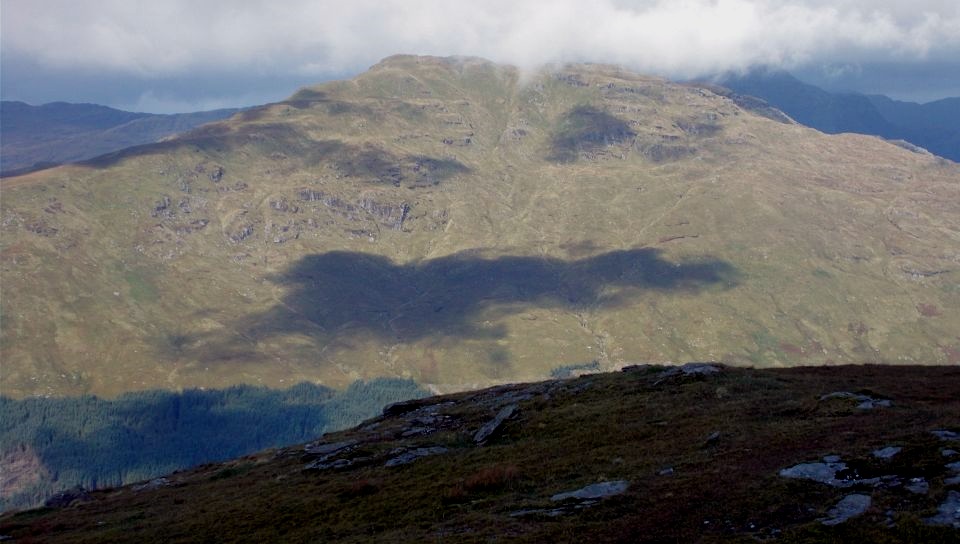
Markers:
(935, 126)
(35, 137)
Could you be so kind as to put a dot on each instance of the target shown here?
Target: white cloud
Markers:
(317, 37)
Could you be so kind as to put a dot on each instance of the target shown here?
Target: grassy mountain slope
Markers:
(700, 456)
(41, 136)
(463, 224)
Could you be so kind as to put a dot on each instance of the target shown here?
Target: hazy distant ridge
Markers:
(35, 137)
(934, 126)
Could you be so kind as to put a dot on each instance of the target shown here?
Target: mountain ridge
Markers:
(507, 227)
(931, 125)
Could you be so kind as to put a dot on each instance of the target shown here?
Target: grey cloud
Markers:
(315, 39)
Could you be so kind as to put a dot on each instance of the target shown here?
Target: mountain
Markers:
(37, 137)
(698, 453)
(461, 224)
(933, 126)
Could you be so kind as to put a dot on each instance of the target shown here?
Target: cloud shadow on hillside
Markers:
(364, 162)
(343, 294)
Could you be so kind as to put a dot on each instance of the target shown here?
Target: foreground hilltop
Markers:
(464, 224)
(698, 453)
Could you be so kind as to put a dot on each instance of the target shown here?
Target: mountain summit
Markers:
(463, 224)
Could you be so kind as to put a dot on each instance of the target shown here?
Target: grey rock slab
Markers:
(824, 473)
(323, 452)
(918, 485)
(539, 512)
(952, 481)
(887, 452)
(954, 467)
(156, 483)
(948, 513)
(694, 369)
(690, 369)
(492, 426)
(946, 435)
(948, 453)
(865, 402)
(598, 490)
(331, 448)
(849, 507)
(412, 455)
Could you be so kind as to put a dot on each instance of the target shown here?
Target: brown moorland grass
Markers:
(724, 438)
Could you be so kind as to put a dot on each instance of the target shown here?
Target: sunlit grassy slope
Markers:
(461, 223)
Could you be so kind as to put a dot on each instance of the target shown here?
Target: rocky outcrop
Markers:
(390, 215)
(68, 497)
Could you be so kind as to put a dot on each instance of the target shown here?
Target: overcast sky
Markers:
(184, 55)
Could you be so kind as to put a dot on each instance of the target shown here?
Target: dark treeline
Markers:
(93, 442)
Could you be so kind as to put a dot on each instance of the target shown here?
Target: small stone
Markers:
(712, 438)
(887, 452)
(948, 453)
(666, 472)
(850, 506)
(594, 491)
(954, 467)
